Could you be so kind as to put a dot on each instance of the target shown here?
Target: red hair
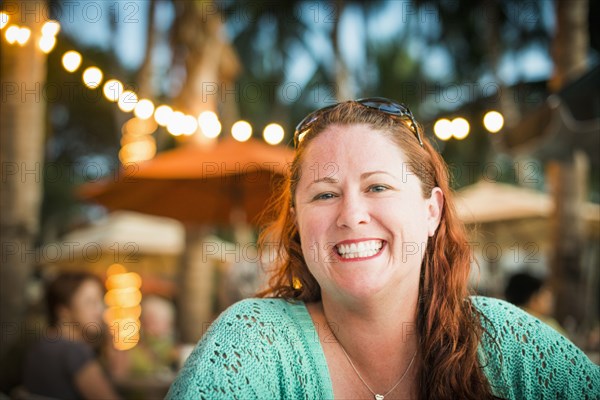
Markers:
(448, 324)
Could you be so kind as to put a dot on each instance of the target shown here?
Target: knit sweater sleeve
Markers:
(256, 349)
(526, 359)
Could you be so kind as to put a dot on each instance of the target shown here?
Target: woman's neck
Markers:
(375, 327)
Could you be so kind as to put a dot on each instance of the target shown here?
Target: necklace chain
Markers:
(377, 396)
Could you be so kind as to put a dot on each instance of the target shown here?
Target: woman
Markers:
(62, 364)
(369, 292)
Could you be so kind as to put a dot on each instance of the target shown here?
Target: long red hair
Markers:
(448, 324)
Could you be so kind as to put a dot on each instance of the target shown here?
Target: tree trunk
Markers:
(567, 178)
(22, 124)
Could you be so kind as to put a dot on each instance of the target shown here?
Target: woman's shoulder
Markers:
(529, 358)
(254, 314)
(256, 349)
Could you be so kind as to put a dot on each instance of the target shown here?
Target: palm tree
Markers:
(22, 130)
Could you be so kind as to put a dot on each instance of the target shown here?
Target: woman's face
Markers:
(86, 307)
(362, 218)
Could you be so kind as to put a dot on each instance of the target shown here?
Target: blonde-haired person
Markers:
(368, 296)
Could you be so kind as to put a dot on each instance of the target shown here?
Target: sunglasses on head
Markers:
(381, 104)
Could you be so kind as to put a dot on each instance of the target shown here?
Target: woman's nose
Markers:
(353, 211)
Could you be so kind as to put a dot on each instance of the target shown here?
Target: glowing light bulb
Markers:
(23, 35)
(144, 109)
(71, 61)
(460, 128)
(273, 133)
(493, 121)
(241, 131)
(3, 19)
(443, 129)
(112, 90)
(47, 43)
(11, 34)
(50, 28)
(127, 101)
(209, 124)
(162, 114)
(92, 77)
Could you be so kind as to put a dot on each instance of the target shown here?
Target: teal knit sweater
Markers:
(270, 349)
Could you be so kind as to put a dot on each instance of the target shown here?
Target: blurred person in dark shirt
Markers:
(63, 363)
(534, 296)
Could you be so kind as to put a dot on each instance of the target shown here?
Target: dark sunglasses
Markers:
(382, 104)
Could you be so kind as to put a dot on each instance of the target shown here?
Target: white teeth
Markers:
(362, 249)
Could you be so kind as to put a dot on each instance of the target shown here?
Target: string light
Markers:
(144, 147)
(162, 115)
(127, 101)
(443, 129)
(71, 60)
(47, 43)
(3, 19)
(92, 77)
(112, 90)
(144, 109)
(23, 35)
(189, 125)
(493, 121)
(460, 128)
(11, 34)
(241, 131)
(50, 28)
(174, 126)
(273, 133)
(209, 124)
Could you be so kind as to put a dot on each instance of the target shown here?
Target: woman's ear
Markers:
(435, 205)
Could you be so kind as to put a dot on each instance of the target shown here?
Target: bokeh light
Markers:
(23, 35)
(3, 19)
(460, 128)
(241, 131)
(92, 77)
(50, 28)
(273, 133)
(493, 121)
(11, 34)
(112, 90)
(127, 101)
(209, 124)
(175, 124)
(71, 60)
(144, 109)
(123, 298)
(189, 125)
(47, 43)
(162, 115)
(443, 129)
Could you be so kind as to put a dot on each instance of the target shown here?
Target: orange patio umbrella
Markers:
(197, 184)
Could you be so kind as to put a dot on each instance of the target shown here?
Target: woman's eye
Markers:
(324, 196)
(378, 188)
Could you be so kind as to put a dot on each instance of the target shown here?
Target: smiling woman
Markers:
(368, 296)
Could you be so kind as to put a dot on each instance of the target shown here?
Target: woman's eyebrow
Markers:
(326, 179)
(365, 175)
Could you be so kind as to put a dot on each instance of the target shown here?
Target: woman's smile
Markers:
(359, 249)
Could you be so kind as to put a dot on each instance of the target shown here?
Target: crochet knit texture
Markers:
(270, 349)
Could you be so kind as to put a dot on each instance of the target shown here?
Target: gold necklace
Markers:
(377, 396)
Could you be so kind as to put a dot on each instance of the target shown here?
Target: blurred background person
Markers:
(534, 296)
(63, 363)
(156, 353)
